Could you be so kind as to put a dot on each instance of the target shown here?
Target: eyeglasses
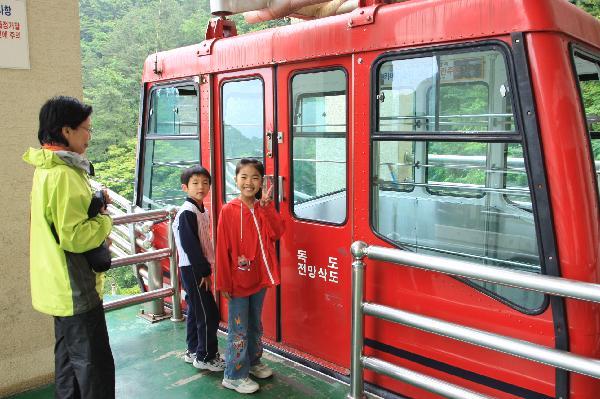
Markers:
(90, 129)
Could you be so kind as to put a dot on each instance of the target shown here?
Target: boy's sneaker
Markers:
(241, 385)
(261, 370)
(216, 364)
(189, 357)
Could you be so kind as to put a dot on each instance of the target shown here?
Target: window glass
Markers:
(454, 198)
(465, 217)
(456, 168)
(243, 127)
(163, 163)
(464, 92)
(588, 73)
(173, 111)
(319, 145)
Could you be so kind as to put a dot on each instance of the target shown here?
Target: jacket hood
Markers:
(46, 159)
(41, 158)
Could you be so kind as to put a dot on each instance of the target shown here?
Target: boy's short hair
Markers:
(187, 174)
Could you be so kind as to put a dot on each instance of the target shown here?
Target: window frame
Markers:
(511, 60)
(163, 85)
(591, 56)
(291, 118)
(144, 136)
(222, 83)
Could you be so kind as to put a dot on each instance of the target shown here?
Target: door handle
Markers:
(270, 144)
(280, 188)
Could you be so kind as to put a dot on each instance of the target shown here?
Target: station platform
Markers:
(148, 359)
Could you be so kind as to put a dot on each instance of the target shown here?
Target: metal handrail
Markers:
(520, 348)
(138, 298)
(142, 257)
(136, 215)
(159, 214)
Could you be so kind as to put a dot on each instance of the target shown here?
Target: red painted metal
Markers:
(315, 318)
(220, 28)
(313, 310)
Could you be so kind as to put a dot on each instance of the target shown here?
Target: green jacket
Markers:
(62, 282)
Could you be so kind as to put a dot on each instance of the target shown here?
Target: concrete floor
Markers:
(149, 365)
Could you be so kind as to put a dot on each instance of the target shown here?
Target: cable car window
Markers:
(243, 127)
(455, 198)
(463, 92)
(319, 125)
(163, 161)
(173, 114)
(173, 111)
(588, 73)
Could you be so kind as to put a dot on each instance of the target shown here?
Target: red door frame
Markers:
(315, 312)
(269, 315)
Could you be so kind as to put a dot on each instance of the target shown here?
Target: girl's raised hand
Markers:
(266, 197)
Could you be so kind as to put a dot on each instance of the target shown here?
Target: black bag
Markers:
(99, 258)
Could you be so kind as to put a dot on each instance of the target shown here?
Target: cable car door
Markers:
(243, 112)
(313, 114)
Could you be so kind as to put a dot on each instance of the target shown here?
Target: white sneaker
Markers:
(261, 370)
(241, 385)
(216, 364)
(189, 357)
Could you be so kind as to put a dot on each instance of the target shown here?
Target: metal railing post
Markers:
(155, 308)
(356, 366)
(174, 269)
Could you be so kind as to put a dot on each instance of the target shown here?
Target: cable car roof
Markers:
(399, 25)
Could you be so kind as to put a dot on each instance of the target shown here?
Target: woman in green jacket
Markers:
(62, 283)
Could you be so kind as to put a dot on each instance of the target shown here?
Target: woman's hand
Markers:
(266, 197)
(226, 295)
(107, 200)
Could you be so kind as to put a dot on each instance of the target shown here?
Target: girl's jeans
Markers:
(244, 345)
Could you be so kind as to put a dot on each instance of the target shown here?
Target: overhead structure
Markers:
(256, 11)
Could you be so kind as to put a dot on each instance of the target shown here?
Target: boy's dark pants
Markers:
(84, 365)
(202, 316)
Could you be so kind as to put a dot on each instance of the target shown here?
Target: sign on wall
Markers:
(14, 45)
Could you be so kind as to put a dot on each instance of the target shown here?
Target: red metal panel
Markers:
(571, 178)
(315, 313)
(438, 296)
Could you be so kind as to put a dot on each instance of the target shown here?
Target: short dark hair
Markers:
(187, 174)
(258, 165)
(58, 112)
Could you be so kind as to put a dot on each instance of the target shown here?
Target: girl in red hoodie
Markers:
(246, 266)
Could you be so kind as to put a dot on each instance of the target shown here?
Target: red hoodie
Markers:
(242, 269)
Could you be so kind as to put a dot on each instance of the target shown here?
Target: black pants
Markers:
(202, 316)
(84, 365)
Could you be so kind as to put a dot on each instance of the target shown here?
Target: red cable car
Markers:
(458, 128)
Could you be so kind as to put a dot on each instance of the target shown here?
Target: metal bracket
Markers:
(363, 16)
(279, 137)
(205, 48)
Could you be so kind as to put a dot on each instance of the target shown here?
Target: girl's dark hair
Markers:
(58, 112)
(258, 165)
(260, 168)
(187, 174)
